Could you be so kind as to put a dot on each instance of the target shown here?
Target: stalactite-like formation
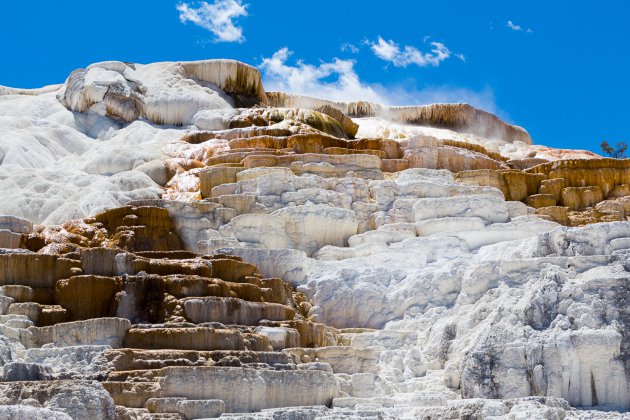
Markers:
(177, 243)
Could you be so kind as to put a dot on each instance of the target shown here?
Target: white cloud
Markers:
(348, 47)
(387, 51)
(513, 26)
(338, 80)
(307, 79)
(461, 57)
(217, 17)
(391, 51)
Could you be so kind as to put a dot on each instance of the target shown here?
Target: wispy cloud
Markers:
(349, 47)
(402, 57)
(338, 80)
(218, 17)
(311, 80)
(513, 26)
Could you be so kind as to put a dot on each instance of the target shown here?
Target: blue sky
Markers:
(558, 68)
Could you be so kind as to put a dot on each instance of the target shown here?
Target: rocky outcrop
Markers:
(514, 184)
(116, 125)
(349, 126)
(166, 330)
(259, 389)
(457, 117)
(604, 173)
(105, 84)
(237, 79)
(275, 256)
(337, 124)
(430, 152)
(13, 231)
(257, 176)
(117, 90)
(571, 192)
(78, 399)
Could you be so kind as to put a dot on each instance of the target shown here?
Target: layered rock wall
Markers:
(140, 313)
(457, 117)
(299, 258)
(571, 192)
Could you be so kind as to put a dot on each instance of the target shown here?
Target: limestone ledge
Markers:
(114, 298)
(571, 192)
(459, 117)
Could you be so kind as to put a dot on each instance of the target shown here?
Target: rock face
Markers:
(571, 192)
(78, 399)
(150, 319)
(219, 250)
(129, 91)
(457, 117)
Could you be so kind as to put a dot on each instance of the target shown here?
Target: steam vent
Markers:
(178, 243)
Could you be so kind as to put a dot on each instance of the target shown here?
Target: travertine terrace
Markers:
(178, 243)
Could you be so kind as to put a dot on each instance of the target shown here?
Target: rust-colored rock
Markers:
(515, 185)
(579, 198)
(86, 297)
(572, 192)
(192, 338)
(555, 213)
(541, 200)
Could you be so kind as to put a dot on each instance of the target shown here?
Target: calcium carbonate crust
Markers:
(442, 299)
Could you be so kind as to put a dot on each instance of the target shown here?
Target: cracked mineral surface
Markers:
(178, 243)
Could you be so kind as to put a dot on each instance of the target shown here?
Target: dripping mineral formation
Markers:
(178, 243)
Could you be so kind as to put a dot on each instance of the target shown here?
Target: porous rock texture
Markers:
(112, 311)
(572, 192)
(179, 243)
